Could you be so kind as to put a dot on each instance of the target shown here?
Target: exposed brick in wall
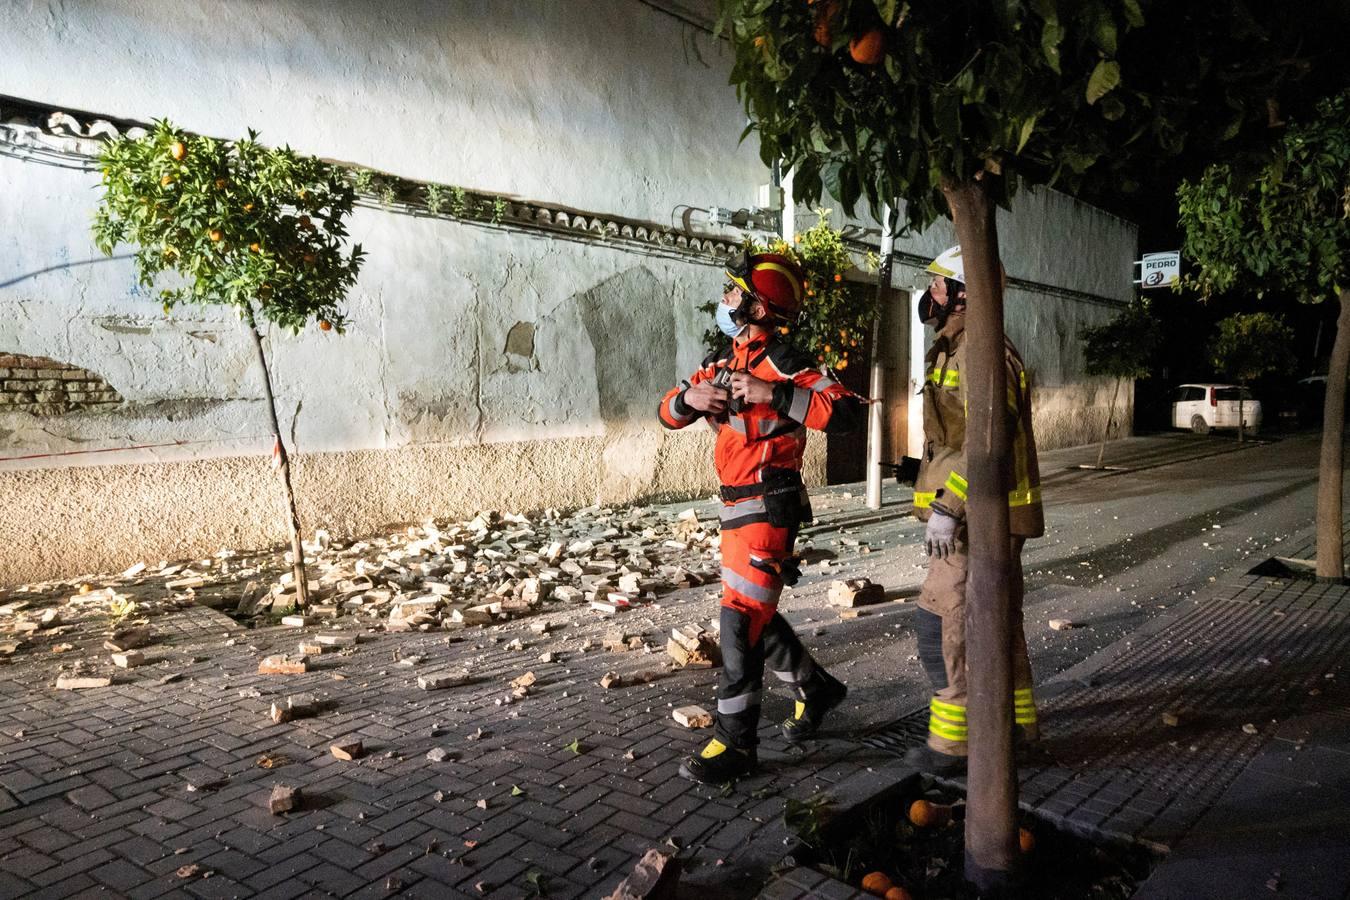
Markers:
(47, 387)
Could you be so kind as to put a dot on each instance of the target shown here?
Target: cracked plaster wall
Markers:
(482, 368)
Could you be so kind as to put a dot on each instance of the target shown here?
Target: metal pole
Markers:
(881, 335)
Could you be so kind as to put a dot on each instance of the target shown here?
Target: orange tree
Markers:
(256, 228)
(1285, 226)
(836, 314)
(948, 106)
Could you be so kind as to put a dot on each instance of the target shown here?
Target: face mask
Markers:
(725, 323)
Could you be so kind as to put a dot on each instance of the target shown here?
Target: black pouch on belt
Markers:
(785, 499)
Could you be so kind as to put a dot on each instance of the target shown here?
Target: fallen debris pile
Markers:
(491, 568)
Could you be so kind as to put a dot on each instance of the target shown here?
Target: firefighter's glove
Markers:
(940, 538)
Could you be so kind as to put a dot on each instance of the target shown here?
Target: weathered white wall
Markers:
(597, 104)
(483, 367)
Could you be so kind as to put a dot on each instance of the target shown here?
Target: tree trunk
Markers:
(283, 463)
(1110, 418)
(1330, 556)
(991, 825)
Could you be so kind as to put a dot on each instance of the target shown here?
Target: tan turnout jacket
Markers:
(942, 469)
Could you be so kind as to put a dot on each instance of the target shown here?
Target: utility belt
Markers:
(786, 502)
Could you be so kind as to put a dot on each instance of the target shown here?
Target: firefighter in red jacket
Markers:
(761, 395)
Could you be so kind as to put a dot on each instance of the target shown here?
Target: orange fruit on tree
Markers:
(248, 207)
(842, 364)
(823, 32)
(877, 883)
(255, 247)
(838, 277)
(215, 234)
(325, 325)
(166, 181)
(178, 150)
(898, 893)
(309, 259)
(1026, 840)
(869, 48)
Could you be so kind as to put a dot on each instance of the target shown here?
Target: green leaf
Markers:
(1027, 128)
(1134, 16)
(516, 791)
(886, 9)
(1051, 35)
(575, 746)
(1104, 79)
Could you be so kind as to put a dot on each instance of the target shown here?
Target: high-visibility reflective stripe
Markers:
(1024, 718)
(1023, 694)
(733, 705)
(823, 383)
(736, 423)
(1025, 496)
(673, 414)
(945, 377)
(801, 676)
(742, 585)
(1024, 707)
(801, 402)
(743, 508)
(780, 426)
(950, 732)
(948, 710)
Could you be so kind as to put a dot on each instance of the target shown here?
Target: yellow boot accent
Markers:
(714, 748)
(799, 711)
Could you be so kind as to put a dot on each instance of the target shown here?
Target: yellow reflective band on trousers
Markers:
(924, 499)
(947, 720)
(957, 485)
(945, 378)
(1024, 707)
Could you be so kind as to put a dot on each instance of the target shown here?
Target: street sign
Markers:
(1159, 269)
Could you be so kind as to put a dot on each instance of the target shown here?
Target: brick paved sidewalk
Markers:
(118, 788)
(114, 791)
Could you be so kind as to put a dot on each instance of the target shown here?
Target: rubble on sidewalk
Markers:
(855, 592)
(655, 877)
(283, 664)
(347, 749)
(692, 717)
(692, 647)
(284, 799)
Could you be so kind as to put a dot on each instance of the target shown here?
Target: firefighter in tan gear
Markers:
(761, 395)
(940, 500)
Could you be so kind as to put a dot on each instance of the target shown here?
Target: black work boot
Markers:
(718, 763)
(933, 762)
(824, 694)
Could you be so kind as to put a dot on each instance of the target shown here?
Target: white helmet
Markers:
(949, 264)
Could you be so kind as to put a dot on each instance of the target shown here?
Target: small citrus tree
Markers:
(945, 108)
(1250, 346)
(1286, 226)
(836, 314)
(1122, 348)
(257, 228)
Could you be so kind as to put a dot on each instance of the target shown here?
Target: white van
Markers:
(1200, 407)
